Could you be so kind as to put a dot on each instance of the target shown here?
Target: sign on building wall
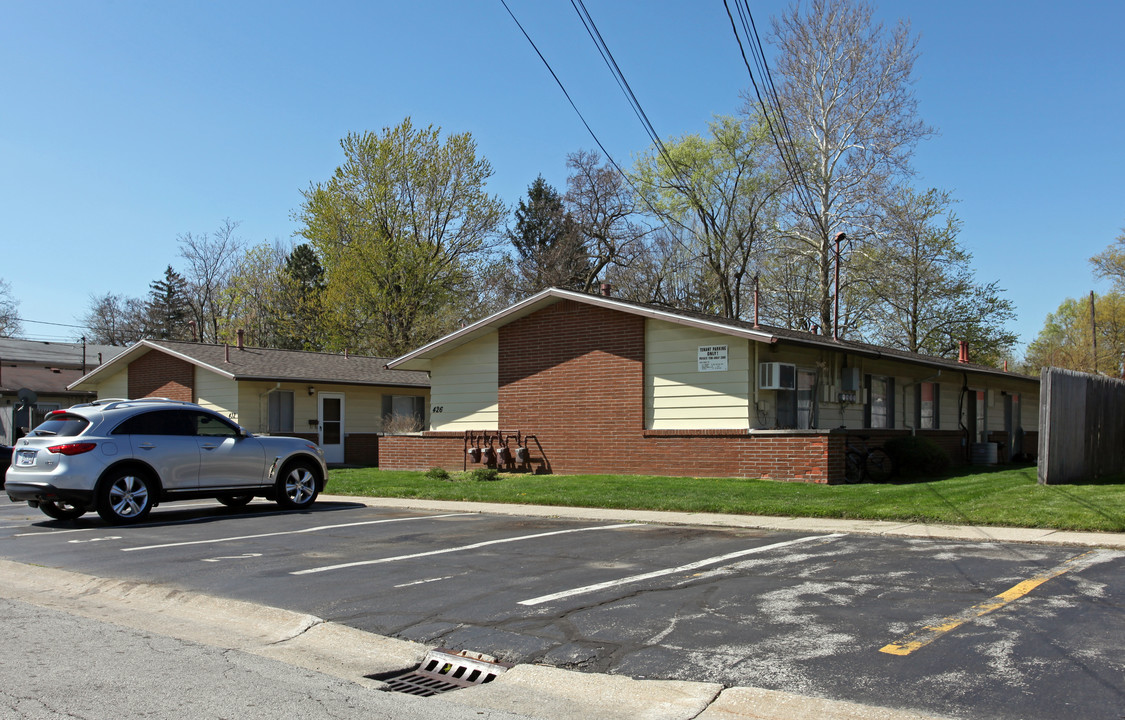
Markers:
(712, 358)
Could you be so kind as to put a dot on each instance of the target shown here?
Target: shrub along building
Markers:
(342, 402)
(569, 382)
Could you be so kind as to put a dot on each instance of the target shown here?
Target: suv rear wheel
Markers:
(124, 496)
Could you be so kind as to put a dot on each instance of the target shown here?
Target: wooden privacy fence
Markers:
(1082, 426)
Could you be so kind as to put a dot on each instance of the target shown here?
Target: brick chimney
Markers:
(963, 353)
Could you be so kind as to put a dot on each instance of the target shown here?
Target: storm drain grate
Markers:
(442, 671)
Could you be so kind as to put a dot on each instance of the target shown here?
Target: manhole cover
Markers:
(441, 671)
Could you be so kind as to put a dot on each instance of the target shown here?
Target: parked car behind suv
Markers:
(124, 457)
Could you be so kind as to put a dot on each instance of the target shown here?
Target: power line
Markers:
(771, 108)
(685, 187)
(44, 322)
(581, 117)
(563, 88)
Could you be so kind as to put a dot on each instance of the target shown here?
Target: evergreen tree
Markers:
(550, 248)
(168, 307)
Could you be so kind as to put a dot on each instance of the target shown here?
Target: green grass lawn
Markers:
(1002, 497)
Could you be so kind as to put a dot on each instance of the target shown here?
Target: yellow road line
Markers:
(929, 633)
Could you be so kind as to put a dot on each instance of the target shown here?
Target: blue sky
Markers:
(125, 124)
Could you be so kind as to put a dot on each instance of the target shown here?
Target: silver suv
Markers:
(124, 457)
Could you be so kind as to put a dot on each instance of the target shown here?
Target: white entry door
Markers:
(332, 426)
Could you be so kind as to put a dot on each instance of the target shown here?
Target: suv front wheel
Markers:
(297, 486)
(124, 496)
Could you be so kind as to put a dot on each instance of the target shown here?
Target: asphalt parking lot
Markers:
(948, 627)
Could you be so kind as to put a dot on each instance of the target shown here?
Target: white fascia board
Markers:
(131, 353)
(419, 359)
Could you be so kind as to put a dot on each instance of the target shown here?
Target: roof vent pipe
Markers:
(606, 289)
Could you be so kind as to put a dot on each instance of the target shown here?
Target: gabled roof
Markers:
(251, 363)
(420, 358)
(55, 354)
(42, 380)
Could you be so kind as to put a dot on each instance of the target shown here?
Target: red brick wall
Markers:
(361, 449)
(572, 376)
(156, 374)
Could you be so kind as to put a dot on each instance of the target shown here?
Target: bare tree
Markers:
(845, 89)
(603, 208)
(9, 311)
(116, 320)
(923, 293)
(211, 260)
(721, 194)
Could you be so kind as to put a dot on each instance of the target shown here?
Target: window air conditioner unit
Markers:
(777, 376)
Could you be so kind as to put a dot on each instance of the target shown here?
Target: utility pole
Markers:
(1094, 331)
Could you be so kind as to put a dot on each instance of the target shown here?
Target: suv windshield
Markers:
(61, 424)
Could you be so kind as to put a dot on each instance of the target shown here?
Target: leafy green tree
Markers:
(168, 308)
(1110, 263)
(550, 250)
(1067, 338)
(922, 294)
(397, 229)
(721, 195)
(845, 87)
(254, 297)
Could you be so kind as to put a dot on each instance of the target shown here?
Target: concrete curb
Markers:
(1039, 536)
(309, 642)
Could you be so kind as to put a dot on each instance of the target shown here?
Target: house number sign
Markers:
(712, 358)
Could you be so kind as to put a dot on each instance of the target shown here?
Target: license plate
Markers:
(25, 458)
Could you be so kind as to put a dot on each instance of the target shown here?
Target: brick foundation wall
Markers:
(156, 374)
(412, 452)
(361, 449)
(802, 456)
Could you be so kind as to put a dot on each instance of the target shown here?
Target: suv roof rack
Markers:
(112, 403)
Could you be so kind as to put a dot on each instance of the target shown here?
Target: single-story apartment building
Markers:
(340, 401)
(570, 382)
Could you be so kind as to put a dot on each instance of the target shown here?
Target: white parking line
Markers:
(287, 532)
(460, 548)
(718, 559)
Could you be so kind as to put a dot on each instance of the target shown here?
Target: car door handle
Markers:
(208, 447)
(146, 446)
